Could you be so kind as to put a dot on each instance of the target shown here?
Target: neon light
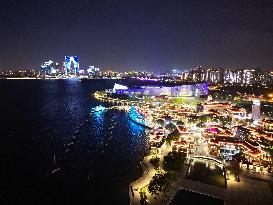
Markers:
(72, 64)
(99, 108)
(119, 87)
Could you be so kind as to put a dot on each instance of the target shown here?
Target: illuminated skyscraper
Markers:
(72, 65)
(215, 75)
(93, 71)
(248, 76)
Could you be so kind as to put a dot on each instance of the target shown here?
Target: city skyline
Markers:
(146, 35)
(136, 102)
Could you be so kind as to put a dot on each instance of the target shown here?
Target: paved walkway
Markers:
(253, 175)
(148, 173)
(249, 191)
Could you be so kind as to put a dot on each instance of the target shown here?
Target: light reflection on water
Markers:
(104, 158)
(115, 147)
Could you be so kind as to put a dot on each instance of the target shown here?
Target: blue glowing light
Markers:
(72, 64)
(119, 87)
(99, 108)
(98, 114)
(136, 116)
(47, 67)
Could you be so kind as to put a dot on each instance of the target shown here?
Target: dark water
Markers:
(39, 118)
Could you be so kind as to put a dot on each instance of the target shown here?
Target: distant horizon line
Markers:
(166, 70)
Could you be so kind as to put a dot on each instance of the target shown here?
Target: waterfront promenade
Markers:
(148, 171)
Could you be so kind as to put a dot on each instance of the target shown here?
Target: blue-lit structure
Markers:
(190, 90)
(47, 68)
(136, 117)
(72, 65)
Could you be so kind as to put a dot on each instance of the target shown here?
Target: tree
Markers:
(200, 124)
(173, 136)
(170, 126)
(155, 161)
(225, 120)
(174, 161)
(178, 100)
(160, 122)
(161, 183)
(214, 119)
(179, 122)
(192, 119)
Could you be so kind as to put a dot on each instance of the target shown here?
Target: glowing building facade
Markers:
(192, 90)
(48, 68)
(72, 65)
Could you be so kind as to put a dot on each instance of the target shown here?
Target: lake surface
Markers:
(46, 125)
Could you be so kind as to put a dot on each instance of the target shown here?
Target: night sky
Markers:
(144, 35)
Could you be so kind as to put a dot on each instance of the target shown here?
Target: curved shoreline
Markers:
(139, 123)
